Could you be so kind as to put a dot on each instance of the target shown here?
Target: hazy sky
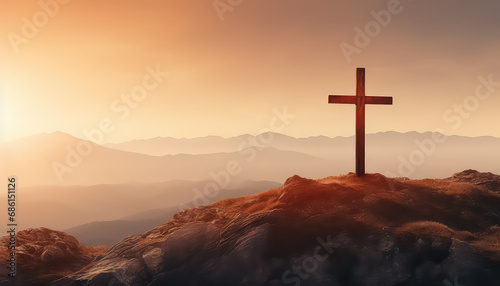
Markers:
(71, 66)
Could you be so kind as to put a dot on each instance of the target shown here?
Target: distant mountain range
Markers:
(61, 159)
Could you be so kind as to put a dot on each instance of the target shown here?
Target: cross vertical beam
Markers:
(360, 122)
(360, 100)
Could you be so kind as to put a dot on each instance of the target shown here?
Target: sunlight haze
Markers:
(228, 70)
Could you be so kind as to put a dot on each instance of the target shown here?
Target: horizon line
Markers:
(232, 137)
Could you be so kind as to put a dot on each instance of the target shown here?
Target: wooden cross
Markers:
(360, 100)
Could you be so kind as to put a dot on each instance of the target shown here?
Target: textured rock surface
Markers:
(488, 180)
(44, 255)
(335, 231)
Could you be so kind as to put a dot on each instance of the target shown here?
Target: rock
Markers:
(46, 255)
(52, 254)
(153, 259)
(487, 180)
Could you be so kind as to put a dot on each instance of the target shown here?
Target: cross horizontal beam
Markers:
(346, 99)
(349, 99)
(378, 100)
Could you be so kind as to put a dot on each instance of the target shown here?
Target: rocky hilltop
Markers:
(340, 230)
(44, 255)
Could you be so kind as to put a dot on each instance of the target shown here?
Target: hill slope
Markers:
(339, 230)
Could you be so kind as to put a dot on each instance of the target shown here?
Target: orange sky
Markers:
(227, 75)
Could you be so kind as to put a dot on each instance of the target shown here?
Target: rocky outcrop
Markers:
(44, 255)
(488, 180)
(340, 230)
